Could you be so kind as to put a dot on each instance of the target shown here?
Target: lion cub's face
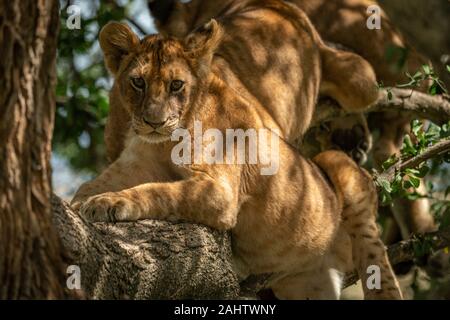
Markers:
(156, 77)
(156, 87)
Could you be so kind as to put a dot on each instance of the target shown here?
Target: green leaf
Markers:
(423, 171)
(408, 147)
(413, 172)
(427, 69)
(416, 127)
(406, 85)
(385, 198)
(390, 162)
(445, 130)
(417, 75)
(413, 196)
(384, 184)
(407, 184)
(412, 182)
(419, 173)
(433, 89)
(396, 185)
(433, 132)
(415, 181)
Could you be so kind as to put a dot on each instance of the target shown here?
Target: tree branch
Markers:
(131, 20)
(147, 259)
(406, 250)
(420, 105)
(437, 149)
(137, 26)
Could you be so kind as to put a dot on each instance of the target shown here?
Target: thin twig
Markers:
(437, 149)
(405, 250)
(137, 26)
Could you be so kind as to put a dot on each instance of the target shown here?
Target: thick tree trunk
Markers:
(148, 259)
(31, 264)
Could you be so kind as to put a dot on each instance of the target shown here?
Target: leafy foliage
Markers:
(426, 74)
(406, 181)
(83, 85)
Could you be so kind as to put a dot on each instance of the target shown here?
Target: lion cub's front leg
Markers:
(110, 207)
(112, 180)
(201, 198)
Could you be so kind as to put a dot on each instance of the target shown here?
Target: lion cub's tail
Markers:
(347, 78)
(360, 204)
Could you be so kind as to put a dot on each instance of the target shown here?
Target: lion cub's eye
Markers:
(176, 85)
(138, 83)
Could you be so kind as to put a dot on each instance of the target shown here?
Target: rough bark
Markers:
(163, 260)
(417, 104)
(148, 259)
(31, 263)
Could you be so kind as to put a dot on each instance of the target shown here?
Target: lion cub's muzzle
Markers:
(154, 124)
(154, 131)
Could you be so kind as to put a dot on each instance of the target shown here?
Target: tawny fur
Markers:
(342, 22)
(271, 50)
(286, 224)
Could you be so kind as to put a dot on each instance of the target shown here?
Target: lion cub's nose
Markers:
(154, 125)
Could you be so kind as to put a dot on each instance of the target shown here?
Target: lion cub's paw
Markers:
(110, 207)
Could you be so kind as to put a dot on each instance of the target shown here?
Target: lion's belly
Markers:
(273, 259)
(292, 242)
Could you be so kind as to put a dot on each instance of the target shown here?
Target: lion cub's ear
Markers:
(201, 45)
(116, 40)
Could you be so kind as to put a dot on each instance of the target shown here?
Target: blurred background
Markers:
(82, 89)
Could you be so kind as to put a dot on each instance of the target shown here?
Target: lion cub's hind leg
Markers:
(320, 283)
(357, 191)
(348, 78)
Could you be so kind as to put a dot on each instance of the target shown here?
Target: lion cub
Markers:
(282, 223)
(271, 51)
